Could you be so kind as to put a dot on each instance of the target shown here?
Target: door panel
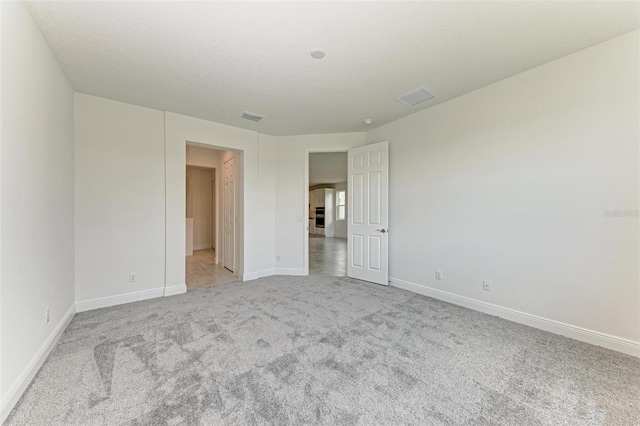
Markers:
(213, 215)
(229, 216)
(375, 244)
(355, 202)
(357, 250)
(374, 198)
(368, 217)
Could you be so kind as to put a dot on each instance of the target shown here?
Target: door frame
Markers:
(305, 243)
(234, 206)
(369, 228)
(214, 213)
(239, 188)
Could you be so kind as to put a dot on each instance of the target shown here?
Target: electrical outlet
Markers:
(486, 285)
(46, 315)
(277, 258)
(133, 277)
(438, 275)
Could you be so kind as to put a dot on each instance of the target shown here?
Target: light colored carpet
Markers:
(321, 350)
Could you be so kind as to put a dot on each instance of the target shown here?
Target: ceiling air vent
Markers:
(251, 116)
(415, 97)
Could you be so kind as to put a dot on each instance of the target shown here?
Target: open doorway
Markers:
(211, 212)
(327, 208)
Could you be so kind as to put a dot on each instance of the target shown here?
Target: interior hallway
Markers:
(202, 270)
(327, 256)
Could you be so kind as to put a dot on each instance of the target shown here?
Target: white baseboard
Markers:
(289, 271)
(597, 338)
(248, 276)
(172, 290)
(22, 382)
(103, 302)
(202, 247)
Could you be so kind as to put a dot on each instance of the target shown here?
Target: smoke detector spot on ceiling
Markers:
(415, 97)
(317, 54)
(251, 116)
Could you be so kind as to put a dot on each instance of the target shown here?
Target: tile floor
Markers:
(202, 271)
(327, 256)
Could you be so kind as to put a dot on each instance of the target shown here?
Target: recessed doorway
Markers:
(327, 207)
(210, 217)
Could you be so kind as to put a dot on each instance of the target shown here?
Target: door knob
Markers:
(381, 230)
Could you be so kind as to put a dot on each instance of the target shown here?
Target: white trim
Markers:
(202, 247)
(306, 230)
(24, 379)
(103, 302)
(290, 271)
(305, 224)
(597, 338)
(172, 290)
(258, 274)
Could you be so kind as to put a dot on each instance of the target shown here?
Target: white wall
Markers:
(121, 158)
(293, 191)
(120, 201)
(207, 157)
(267, 163)
(510, 183)
(179, 130)
(202, 156)
(329, 212)
(341, 225)
(201, 181)
(37, 200)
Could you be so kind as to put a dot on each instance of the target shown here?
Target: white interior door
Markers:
(229, 216)
(368, 216)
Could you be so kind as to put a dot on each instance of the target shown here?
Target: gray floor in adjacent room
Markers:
(327, 256)
(321, 350)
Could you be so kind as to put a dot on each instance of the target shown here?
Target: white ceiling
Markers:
(327, 167)
(214, 60)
